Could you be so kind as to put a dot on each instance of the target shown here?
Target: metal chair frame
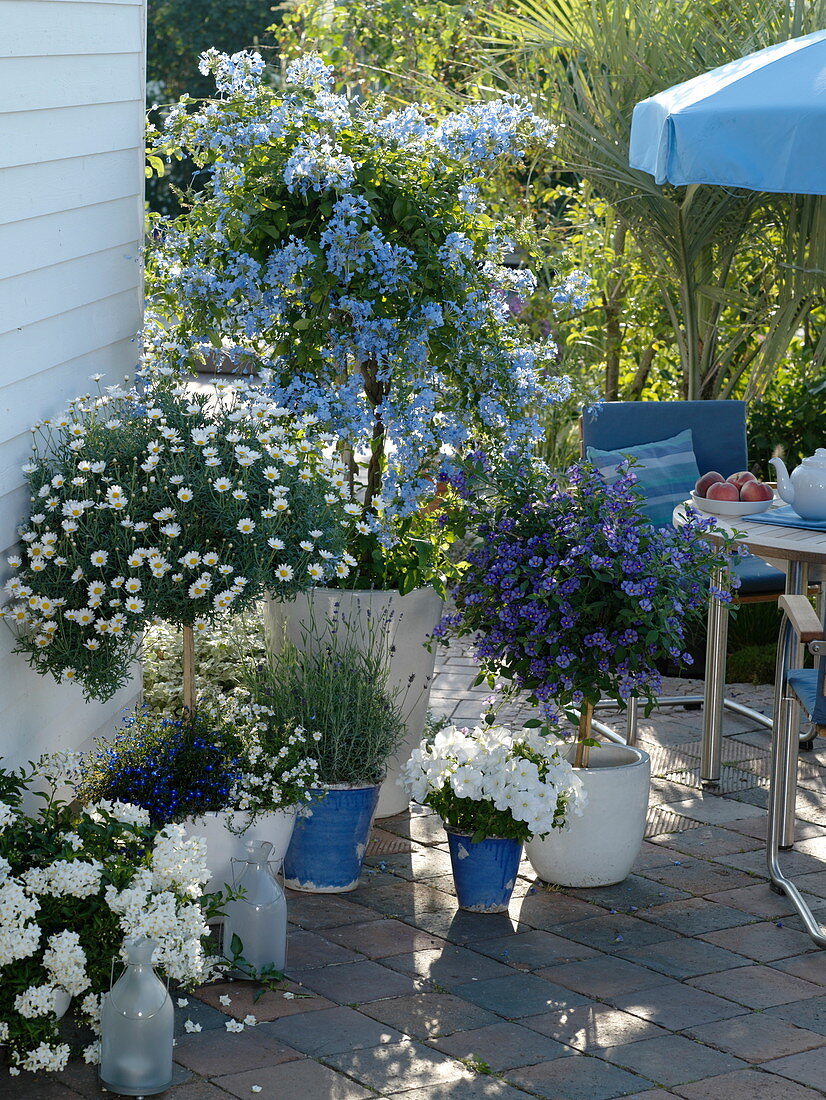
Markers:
(801, 626)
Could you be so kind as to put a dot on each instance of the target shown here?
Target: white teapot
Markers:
(805, 489)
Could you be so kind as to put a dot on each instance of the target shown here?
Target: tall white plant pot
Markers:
(411, 618)
(600, 847)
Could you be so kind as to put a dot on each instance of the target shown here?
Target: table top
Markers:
(768, 539)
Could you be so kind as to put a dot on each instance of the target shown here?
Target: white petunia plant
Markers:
(492, 782)
(167, 502)
(73, 887)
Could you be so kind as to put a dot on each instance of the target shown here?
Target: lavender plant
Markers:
(345, 250)
(571, 594)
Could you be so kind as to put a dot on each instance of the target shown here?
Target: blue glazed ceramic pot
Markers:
(329, 840)
(484, 873)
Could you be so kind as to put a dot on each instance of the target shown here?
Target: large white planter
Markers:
(412, 619)
(225, 844)
(600, 847)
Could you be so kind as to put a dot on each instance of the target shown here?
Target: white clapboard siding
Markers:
(71, 228)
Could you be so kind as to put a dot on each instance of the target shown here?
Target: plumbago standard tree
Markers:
(344, 250)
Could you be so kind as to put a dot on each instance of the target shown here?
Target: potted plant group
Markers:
(75, 884)
(343, 250)
(221, 770)
(340, 693)
(571, 595)
(493, 789)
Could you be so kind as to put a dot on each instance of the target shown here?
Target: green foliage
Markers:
(734, 302)
(789, 418)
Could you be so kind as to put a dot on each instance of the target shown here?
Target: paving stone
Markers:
(758, 986)
(698, 876)
(549, 909)
(461, 927)
(757, 827)
(210, 1017)
(763, 941)
(30, 1086)
(429, 1015)
(697, 915)
(709, 842)
(502, 1046)
(671, 1059)
(479, 1088)
(756, 1037)
(306, 950)
(426, 828)
(324, 910)
(715, 810)
(331, 1031)
(534, 949)
(448, 967)
(592, 1027)
(811, 967)
(294, 1079)
(407, 1064)
(746, 1084)
(760, 900)
(601, 976)
(420, 864)
(684, 958)
(675, 1005)
(408, 901)
(653, 855)
(807, 1068)
(577, 1078)
(519, 995)
(809, 1014)
(794, 862)
(211, 1053)
(813, 884)
(356, 983)
(246, 998)
(379, 938)
(631, 895)
(196, 1089)
(612, 932)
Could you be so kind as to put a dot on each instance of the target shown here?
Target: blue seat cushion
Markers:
(807, 685)
(666, 471)
(757, 577)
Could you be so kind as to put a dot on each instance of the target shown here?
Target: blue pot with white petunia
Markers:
(330, 838)
(484, 872)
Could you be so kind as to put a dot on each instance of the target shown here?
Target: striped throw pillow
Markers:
(666, 472)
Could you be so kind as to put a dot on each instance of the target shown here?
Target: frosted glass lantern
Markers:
(136, 1028)
(259, 917)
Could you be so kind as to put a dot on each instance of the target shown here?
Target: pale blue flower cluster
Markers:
(343, 249)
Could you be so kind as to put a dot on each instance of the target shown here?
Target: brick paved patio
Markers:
(688, 980)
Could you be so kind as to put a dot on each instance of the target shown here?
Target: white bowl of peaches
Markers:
(740, 494)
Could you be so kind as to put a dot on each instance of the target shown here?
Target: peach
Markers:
(739, 479)
(723, 490)
(702, 485)
(756, 490)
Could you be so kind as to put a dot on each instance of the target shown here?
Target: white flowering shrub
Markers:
(489, 781)
(161, 502)
(73, 886)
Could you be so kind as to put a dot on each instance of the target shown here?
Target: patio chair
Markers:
(717, 439)
(795, 689)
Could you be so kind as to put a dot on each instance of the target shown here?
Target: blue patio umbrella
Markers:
(757, 123)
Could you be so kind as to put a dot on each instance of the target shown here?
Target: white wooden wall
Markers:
(71, 226)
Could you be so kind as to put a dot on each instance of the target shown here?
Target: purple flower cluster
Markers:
(570, 593)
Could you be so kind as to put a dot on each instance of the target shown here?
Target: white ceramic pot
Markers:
(224, 843)
(411, 618)
(600, 847)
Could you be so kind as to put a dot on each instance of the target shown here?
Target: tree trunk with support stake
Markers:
(189, 669)
(583, 751)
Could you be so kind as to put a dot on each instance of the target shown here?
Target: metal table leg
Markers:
(714, 683)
